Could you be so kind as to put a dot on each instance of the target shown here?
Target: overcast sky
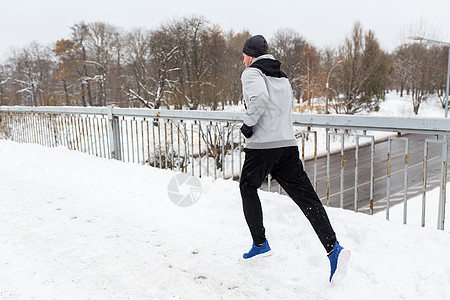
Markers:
(321, 22)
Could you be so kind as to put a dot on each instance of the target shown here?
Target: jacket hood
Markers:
(268, 65)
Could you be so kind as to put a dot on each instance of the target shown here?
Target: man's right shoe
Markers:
(338, 262)
(262, 251)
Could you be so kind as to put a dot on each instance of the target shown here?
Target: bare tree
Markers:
(364, 72)
(328, 61)
(4, 79)
(100, 43)
(420, 27)
(67, 70)
(151, 60)
(401, 59)
(420, 68)
(32, 72)
(191, 63)
(137, 57)
(117, 68)
(233, 66)
(439, 72)
(422, 61)
(289, 48)
(80, 34)
(189, 34)
(163, 53)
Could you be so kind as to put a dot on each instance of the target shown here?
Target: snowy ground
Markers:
(396, 106)
(77, 226)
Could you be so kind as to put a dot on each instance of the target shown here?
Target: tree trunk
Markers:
(417, 98)
(66, 93)
(33, 95)
(1, 95)
(83, 95)
(88, 86)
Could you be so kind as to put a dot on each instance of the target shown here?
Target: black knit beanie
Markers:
(256, 46)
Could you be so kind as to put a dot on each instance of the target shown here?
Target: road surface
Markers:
(415, 173)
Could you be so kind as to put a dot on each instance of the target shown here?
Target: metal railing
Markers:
(206, 143)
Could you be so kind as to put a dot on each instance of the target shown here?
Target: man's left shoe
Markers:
(261, 251)
(338, 261)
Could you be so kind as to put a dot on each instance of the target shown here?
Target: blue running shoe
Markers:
(338, 261)
(262, 251)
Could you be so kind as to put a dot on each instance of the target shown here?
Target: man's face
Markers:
(247, 60)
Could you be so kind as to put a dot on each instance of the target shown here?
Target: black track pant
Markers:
(286, 168)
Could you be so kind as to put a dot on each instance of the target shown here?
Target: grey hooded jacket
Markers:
(268, 99)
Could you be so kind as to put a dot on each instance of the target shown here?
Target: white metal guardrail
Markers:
(209, 143)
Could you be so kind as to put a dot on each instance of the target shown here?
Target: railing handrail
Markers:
(436, 125)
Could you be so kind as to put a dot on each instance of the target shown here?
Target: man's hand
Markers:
(246, 131)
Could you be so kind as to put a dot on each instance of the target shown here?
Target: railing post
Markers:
(113, 132)
(305, 134)
(341, 199)
(405, 178)
(372, 167)
(443, 194)
(443, 182)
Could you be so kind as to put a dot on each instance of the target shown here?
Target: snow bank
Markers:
(396, 106)
(77, 226)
